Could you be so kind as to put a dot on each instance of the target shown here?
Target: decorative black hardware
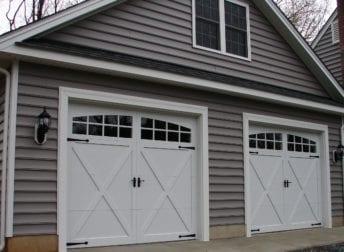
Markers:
(314, 156)
(77, 140)
(316, 224)
(187, 147)
(286, 183)
(186, 236)
(76, 243)
(255, 230)
(134, 182)
(254, 152)
(139, 180)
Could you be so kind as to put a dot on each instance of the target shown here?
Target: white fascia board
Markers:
(301, 47)
(118, 69)
(324, 29)
(52, 22)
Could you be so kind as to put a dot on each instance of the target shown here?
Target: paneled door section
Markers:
(285, 184)
(131, 177)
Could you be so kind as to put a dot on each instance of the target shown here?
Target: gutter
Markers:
(4, 159)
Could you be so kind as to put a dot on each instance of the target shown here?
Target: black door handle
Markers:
(139, 180)
(134, 182)
(288, 182)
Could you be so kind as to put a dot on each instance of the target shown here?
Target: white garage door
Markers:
(284, 180)
(131, 177)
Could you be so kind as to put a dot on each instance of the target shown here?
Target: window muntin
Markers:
(103, 125)
(208, 24)
(301, 144)
(159, 130)
(230, 31)
(267, 141)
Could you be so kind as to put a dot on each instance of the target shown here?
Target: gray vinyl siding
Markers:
(2, 109)
(162, 30)
(35, 204)
(330, 54)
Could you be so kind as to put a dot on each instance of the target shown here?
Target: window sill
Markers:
(224, 53)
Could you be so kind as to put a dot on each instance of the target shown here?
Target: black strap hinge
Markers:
(316, 224)
(186, 236)
(77, 140)
(255, 230)
(76, 243)
(254, 152)
(187, 147)
(311, 156)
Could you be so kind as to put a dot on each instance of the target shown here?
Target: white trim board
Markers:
(325, 165)
(12, 148)
(161, 77)
(67, 94)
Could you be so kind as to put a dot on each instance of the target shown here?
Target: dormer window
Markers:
(335, 32)
(222, 26)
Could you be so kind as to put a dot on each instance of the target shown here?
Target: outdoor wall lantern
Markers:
(338, 153)
(42, 127)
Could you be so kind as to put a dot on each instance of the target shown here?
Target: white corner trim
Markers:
(305, 46)
(169, 78)
(12, 148)
(67, 94)
(53, 21)
(4, 158)
(222, 50)
(249, 118)
(324, 29)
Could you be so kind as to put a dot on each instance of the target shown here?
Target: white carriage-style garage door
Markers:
(285, 185)
(131, 177)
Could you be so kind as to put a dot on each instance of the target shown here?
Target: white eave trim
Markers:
(53, 21)
(324, 29)
(118, 69)
(303, 45)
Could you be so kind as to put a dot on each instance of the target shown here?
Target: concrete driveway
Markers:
(282, 241)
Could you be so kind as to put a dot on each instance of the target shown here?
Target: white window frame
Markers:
(223, 30)
(335, 25)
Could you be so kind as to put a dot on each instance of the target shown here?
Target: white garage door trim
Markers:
(322, 130)
(132, 102)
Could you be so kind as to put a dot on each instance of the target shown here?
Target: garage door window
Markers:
(301, 144)
(153, 129)
(268, 141)
(103, 125)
